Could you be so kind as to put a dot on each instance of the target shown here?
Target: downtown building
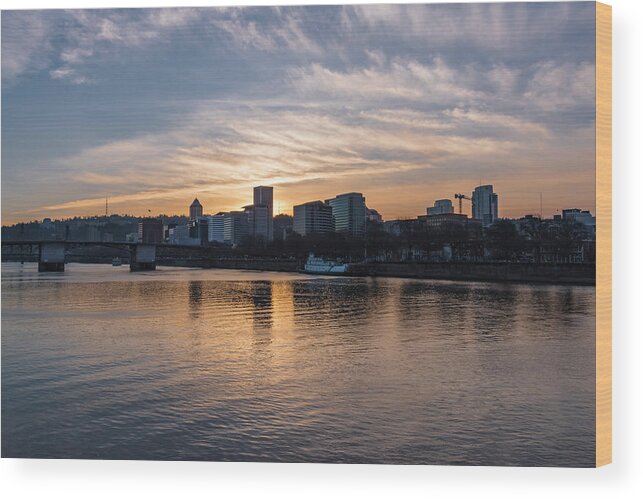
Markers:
(260, 213)
(215, 228)
(484, 205)
(195, 232)
(196, 210)
(150, 231)
(440, 207)
(259, 226)
(349, 212)
(180, 235)
(577, 215)
(198, 229)
(582, 217)
(373, 216)
(441, 220)
(254, 223)
(235, 227)
(314, 217)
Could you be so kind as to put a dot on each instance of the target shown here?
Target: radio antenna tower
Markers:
(106, 206)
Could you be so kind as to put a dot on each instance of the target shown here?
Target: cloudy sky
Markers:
(406, 104)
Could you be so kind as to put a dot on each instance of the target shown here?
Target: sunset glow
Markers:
(406, 104)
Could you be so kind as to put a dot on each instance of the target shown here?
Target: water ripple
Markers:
(257, 366)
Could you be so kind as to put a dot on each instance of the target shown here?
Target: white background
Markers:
(103, 479)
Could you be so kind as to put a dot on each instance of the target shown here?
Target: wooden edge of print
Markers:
(603, 234)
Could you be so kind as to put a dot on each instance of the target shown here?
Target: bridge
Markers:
(51, 255)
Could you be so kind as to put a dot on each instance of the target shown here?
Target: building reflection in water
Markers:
(195, 298)
(260, 295)
(255, 366)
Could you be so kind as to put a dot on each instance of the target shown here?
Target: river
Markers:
(225, 365)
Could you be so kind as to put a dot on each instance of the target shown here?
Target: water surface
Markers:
(178, 364)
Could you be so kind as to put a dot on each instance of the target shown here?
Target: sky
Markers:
(404, 103)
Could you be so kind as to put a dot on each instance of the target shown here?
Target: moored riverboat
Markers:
(323, 266)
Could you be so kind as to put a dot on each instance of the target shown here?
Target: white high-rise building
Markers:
(215, 228)
(484, 205)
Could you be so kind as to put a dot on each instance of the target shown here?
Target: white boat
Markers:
(318, 265)
(117, 262)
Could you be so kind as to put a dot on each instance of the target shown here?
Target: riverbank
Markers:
(578, 274)
(583, 274)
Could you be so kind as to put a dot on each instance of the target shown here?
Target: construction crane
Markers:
(460, 197)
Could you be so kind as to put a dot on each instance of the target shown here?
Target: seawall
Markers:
(493, 271)
(584, 274)
(274, 265)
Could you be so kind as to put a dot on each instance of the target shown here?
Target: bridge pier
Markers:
(142, 257)
(51, 257)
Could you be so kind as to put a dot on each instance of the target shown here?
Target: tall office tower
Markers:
(440, 207)
(263, 196)
(349, 211)
(258, 222)
(313, 218)
(484, 205)
(235, 227)
(196, 210)
(215, 227)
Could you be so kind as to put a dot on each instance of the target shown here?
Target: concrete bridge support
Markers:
(142, 257)
(51, 257)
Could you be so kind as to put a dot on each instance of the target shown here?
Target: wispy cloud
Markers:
(504, 124)
(67, 73)
(494, 27)
(554, 86)
(405, 103)
(403, 79)
(26, 43)
(33, 40)
(284, 31)
(222, 149)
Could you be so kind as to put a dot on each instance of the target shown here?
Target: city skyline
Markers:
(314, 101)
(438, 208)
(467, 209)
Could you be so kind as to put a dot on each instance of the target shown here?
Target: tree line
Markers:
(526, 240)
